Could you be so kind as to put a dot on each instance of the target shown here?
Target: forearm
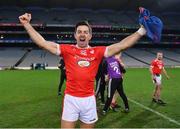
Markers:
(150, 70)
(165, 73)
(152, 75)
(34, 35)
(121, 63)
(124, 44)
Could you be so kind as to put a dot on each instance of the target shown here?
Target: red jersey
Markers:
(157, 66)
(81, 68)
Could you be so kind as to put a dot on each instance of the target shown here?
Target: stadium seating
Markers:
(60, 15)
(9, 56)
(171, 18)
(66, 16)
(40, 56)
(10, 14)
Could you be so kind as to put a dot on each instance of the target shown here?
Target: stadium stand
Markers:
(60, 15)
(171, 18)
(147, 54)
(9, 56)
(40, 56)
(39, 14)
(10, 14)
(109, 25)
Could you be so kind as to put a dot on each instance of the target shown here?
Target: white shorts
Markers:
(82, 108)
(157, 79)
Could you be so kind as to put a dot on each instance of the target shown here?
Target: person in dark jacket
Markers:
(62, 68)
(100, 81)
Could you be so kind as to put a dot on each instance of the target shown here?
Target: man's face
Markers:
(159, 56)
(82, 36)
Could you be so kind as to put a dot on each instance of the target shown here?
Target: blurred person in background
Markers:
(115, 68)
(156, 68)
(100, 81)
(62, 68)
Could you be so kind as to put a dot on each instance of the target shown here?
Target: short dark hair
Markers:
(85, 23)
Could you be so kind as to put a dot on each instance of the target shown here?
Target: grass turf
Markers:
(28, 99)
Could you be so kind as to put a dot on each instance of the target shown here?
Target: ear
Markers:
(75, 36)
(90, 36)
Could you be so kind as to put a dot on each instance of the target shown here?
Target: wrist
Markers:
(141, 31)
(26, 24)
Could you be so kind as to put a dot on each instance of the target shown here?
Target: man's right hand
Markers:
(152, 77)
(167, 77)
(25, 18)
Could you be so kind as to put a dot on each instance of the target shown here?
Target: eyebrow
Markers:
(83, 30)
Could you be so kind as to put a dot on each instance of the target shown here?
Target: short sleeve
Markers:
(63, 48)
(101, 51)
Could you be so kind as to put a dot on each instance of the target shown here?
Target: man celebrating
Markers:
(156, 68)
(81, 62)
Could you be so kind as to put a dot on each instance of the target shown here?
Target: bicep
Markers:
(114, 49)
(52, 47)
(110, 50)
(106, 52)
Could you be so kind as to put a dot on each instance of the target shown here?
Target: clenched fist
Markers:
(25, 18)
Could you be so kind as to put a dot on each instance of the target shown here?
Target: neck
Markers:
(82, 47)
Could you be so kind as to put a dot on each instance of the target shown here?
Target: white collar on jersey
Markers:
(82, 48)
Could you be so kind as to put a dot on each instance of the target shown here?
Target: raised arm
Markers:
(125, 43)
(35, 36)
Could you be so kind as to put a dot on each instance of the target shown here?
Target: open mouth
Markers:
(82, 39)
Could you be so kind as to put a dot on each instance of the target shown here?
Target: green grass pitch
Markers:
(28, 99)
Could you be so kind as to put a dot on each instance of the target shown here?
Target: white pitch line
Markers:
(156, 112)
